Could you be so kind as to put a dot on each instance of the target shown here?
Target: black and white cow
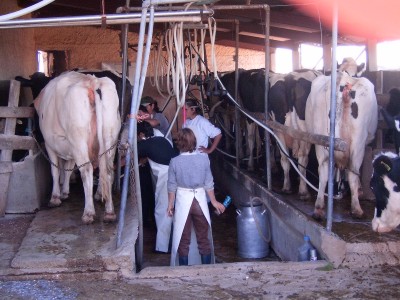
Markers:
(286, 104)
(385, 184)
(356, 123)
(392, 116)
(37, 82)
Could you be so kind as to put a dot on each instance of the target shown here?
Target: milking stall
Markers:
(172, 50)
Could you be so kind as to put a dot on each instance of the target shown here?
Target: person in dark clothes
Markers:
(147, 192)
(159, 153)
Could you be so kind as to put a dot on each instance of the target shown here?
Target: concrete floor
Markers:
(225, 241)
(54, 241)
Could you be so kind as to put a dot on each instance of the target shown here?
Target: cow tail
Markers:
(102, 146)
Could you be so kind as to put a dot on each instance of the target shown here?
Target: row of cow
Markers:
(79, 119)
(301, 100)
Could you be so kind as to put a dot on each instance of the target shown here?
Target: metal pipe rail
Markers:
(111, 19)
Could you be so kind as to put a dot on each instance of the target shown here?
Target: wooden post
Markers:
(13, 99)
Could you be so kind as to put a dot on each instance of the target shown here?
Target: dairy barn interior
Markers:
(262, 223)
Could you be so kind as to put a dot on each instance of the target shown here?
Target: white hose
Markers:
(212, 27)
(25, 11)
(281, 146)
(147, 52)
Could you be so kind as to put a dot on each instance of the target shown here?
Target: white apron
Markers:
(163, 221)
(183, 202)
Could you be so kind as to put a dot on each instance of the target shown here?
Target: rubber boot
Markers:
(183, 260)
(206, 259)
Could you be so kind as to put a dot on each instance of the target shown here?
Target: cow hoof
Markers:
(287, 192)
(318, 215)
(64, 196)
(98, 197)
(54, 202)
(304, 196)
(357, 214)
(87, 218)
(109, 217)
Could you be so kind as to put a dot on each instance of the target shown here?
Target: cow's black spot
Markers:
(98, 91)
(354, 110)
(352, 94)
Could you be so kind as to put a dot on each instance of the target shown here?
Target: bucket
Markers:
(253, 233)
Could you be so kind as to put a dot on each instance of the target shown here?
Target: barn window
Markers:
(284, 62)
(311, 57)
(388, 55)
(52, 62)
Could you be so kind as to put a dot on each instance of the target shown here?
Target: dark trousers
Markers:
(201, 227)
(147, 193)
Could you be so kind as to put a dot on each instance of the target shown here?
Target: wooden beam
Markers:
(248, 42)
(17, 142)
(317, 139)
(17, 112)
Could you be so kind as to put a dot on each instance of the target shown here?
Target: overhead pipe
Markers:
(111, 19)
(212, 7)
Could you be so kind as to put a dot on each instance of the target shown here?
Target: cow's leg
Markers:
(258, 142)
(105, 184)
(354, 183)
(303, 163)
(228, 140)
(106, 175)
(109, 214)
(287, 185)
(68, 165)
(251, 128)
(323, 167)
(55, 173)
(87, 180)
(98, 196)
(302, 154)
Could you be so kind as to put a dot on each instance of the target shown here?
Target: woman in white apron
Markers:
(189, 179)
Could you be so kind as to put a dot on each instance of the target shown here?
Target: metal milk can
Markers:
(253, 232)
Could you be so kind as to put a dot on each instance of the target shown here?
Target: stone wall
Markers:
(86, 47)
(17, 47)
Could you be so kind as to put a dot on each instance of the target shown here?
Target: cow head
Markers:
(349, 65)
(393, 123)
(386, 188)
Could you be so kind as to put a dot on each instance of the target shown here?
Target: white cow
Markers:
(79, 119)
(356, 123)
